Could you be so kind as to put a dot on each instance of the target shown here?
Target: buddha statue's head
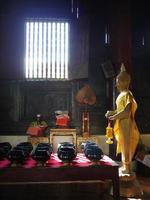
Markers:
(123, 79)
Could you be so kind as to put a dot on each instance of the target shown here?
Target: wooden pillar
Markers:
(120, 34)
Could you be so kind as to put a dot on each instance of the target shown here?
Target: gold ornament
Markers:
(109, 134)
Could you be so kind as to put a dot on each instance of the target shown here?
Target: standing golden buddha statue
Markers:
(125, 129)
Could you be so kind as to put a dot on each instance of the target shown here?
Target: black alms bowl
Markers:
(41, 155)
(66, 153)
(5, 147)
(93, 153)
(45, 146)
(16, 155)
(86, 144)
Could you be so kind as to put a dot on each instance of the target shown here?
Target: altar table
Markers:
(55, 171)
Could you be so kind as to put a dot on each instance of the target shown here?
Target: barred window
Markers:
(46, 49)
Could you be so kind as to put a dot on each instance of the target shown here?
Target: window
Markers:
(46, 49)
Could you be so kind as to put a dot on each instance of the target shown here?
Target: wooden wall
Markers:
(22, 100)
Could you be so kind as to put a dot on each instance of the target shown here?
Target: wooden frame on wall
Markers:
(64, 135)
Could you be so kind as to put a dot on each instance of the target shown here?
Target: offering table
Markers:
(54, 171)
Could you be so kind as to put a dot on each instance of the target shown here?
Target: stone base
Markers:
(129, 186)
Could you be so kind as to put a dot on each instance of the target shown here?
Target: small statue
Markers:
(37, 127)
(125, 129)
(62, 119)
(39, 122)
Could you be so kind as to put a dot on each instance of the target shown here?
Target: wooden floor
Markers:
(145, 187)
(84, 191)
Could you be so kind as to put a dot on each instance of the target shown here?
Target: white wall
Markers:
(101, 140)
(13, 140)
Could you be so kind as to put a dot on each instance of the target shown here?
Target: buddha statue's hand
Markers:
(112, 117)
(109, 113)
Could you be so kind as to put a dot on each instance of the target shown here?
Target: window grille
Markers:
(46, 50)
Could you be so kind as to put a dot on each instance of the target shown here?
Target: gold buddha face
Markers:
(122, 79)
(122, 85)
